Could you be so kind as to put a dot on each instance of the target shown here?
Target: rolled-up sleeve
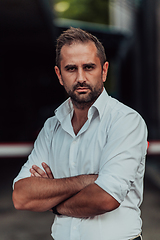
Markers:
(123, 156)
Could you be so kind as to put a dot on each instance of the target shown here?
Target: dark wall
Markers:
(29, 89)
(139, 78)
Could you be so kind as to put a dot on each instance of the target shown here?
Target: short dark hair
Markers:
(78, 35)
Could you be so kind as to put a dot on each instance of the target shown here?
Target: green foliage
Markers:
(85, 10)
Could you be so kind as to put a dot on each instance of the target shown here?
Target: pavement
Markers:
(25, 225)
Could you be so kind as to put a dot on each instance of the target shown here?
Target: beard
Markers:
(84, 100)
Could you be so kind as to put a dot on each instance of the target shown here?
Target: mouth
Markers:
(82, 89)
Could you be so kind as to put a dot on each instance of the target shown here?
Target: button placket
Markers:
(72, 156)
(75, 235)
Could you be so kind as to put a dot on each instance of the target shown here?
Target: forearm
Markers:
(89, 202)
(41, 194)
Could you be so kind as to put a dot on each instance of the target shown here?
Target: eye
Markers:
(71, 68)
(89, 67)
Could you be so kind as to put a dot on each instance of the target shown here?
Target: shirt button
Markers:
(73, 164)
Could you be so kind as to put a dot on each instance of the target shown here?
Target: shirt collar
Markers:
(99, 104)
(67, 107)
(64, 109)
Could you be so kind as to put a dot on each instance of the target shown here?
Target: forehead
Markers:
(79, 52)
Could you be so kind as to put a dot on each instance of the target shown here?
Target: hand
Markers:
(38, 172)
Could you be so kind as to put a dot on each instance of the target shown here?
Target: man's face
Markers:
(81, 72)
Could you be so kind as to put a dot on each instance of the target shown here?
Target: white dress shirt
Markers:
(112, 143)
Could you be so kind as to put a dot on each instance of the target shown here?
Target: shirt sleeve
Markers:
(40, 151)
(123, 156)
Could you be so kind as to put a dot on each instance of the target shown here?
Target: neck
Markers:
(79, 118)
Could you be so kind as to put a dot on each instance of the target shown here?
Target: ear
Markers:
(105, 71)
(58, 73)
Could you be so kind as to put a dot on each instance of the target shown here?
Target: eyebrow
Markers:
(70, 66)
(84, 65)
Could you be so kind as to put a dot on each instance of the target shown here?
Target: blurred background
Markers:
(30, 91)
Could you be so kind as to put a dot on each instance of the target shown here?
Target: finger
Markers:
(47, 170)
(34, 173)
(39, 171)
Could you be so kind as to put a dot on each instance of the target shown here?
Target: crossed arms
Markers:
(75, 196)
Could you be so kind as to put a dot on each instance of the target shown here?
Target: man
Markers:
(88, 161)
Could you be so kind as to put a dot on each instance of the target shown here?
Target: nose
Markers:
(81, 75)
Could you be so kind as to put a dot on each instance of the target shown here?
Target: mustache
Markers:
(83, 84)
